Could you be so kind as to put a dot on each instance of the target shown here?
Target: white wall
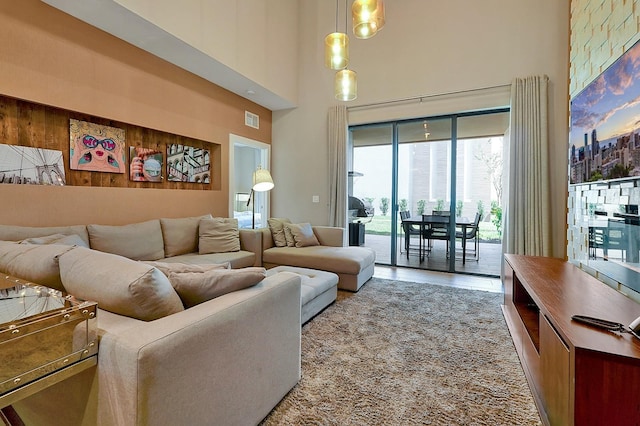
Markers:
(427, 47)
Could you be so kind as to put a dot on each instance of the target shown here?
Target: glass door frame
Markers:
(394, 174)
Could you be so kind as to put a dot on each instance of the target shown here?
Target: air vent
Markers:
(251, 120)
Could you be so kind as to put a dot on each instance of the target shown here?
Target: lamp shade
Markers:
(345, 85)
(262, 180)
(368, 17)
(336, 51)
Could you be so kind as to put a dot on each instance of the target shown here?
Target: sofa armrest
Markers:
(237, 355)
(332, 236)
(251, 240)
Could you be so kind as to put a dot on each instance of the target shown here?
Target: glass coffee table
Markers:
(46, 336)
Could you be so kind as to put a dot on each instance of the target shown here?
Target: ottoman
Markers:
(319, 289)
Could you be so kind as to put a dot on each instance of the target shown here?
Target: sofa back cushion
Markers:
(35, 263)
(17, 233)
(181, 235)
(67, 240)
(118, 284)
(137, 241)
(218, 235)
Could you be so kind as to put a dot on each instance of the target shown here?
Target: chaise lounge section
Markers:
(353, 265)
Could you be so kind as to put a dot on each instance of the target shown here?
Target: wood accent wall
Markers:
(40, 126)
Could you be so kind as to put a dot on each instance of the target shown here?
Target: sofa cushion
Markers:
(218, 235)
(35, 263)
(302, 234)
(118, 284)
(197, 287)
(341, 260)
(67, 240)
(276, 225)
(180, 235)
(167, 268)
(17, 233)
(137, 241)
(237, 259)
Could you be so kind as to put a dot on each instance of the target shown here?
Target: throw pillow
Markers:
(137, 241)
(194, 287)
(303, 235)
(218, 235)
(167, 268)
(289, 236)
(17, 233)
(67, 240)
(118, 284)
(181, 235)
(276, 226)
(35, 263)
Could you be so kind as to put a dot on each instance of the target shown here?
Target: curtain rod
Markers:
(420, 98)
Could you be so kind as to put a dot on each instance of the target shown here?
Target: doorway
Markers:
(411, 170)
(245, 156)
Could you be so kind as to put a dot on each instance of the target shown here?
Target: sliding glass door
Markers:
(430, 188)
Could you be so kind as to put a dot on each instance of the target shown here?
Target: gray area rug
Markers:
(401, 353)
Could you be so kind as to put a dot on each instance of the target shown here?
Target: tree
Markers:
(459, 207)
(384, 205)
(421, 205)
(493, 162)
(402, 206)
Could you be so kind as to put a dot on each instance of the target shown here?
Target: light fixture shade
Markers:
(336, 51)
(368, 17)
(262, 180)
(346, 88)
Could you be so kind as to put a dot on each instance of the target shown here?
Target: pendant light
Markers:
(336, 48)
(368, 17)
(345, 85)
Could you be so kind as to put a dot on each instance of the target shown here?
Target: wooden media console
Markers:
(578, 374)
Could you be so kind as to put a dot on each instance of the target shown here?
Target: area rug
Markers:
(404, 353)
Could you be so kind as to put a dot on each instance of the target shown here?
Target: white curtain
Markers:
(527, 214)
(337, 134)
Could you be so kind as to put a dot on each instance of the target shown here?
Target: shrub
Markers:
(384, 205)
(421, 205)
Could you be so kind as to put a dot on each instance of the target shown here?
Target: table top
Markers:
(429, 218)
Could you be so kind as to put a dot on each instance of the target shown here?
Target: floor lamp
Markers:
(262, 182)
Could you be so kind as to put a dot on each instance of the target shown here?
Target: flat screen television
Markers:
(604, 168)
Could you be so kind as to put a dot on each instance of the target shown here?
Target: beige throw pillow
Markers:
(197, 287)
(31, 262)
(218, 235)
(289, 236)
(137, 241)
(276, 225)
(302, 234)
(181, 235)
(118, 284)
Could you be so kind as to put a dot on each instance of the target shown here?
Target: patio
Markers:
(488, 263)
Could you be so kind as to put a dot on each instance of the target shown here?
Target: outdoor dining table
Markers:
(429, 222)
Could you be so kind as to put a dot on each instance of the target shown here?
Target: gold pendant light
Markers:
(336, 47)
(345, 85)
(368, 17)
(336, 51)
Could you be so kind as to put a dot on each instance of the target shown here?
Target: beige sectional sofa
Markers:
(353, 265)
(228, 360)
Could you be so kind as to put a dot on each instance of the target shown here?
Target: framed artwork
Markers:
(145, 164)
(605, 130)
(188, 164)
(35, 166)
(96, 148)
